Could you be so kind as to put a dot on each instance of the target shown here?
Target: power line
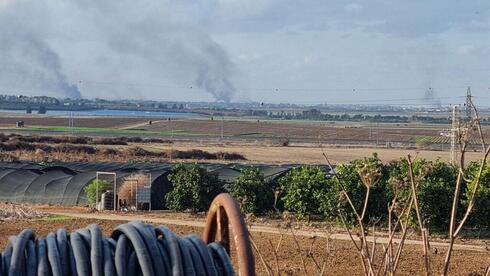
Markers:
(272, 89)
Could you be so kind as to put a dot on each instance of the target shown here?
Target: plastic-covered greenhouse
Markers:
(64, 183)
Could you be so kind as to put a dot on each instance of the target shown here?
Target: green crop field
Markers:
(109, 131)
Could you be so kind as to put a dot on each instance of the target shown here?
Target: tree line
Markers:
(311, 193)
(317, 115)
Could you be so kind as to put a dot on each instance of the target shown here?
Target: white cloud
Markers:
(353, 7)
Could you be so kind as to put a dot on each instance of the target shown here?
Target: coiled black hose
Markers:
(134, 248)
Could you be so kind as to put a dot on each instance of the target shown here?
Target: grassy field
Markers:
(40, 120)
(100, 130)
(106, 131)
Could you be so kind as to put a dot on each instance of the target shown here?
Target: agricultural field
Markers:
(231, 128)
(313, 246)
(88, 122)
(304, 247)
(269, 141)
(326, 132)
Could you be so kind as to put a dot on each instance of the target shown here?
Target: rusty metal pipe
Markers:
(225, 211)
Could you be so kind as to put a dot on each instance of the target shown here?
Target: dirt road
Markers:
(253, 228)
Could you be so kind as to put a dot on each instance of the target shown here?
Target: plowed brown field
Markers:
(341, 259)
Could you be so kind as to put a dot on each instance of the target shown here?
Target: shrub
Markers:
(254, 193)
(193, 188)
(349, 176)
(132, 139)
(139, 152)
(75, 149)
(17, 145)
(436, 182)
(481, 209)
(221, 155)
(285, 142)
(95, 188)
(192, 154)
(304, 188)
(156, 140)
(108, 151)
(109, 141)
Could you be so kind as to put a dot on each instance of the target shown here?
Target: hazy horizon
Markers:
(364, 52)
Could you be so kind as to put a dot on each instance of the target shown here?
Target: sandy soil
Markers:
(261, 153)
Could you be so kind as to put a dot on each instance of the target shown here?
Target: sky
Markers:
(278, 51)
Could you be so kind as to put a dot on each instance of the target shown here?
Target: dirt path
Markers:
(256, 229)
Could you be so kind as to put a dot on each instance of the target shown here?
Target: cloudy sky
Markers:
(375, 51)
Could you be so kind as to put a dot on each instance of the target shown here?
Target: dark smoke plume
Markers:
(27, 64)
(140, 41)
(430, 97)
(173, 47)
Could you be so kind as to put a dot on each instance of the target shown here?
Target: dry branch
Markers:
(464, 139)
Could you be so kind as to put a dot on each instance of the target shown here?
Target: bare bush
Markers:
(467, 131)
(73, 152)
(18, 212)
(400, 209)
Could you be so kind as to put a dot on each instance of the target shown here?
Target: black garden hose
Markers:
(133, 249)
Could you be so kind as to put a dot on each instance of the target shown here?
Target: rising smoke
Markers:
(430, 75)
(139, 41)
(430, 97)
(27, 64)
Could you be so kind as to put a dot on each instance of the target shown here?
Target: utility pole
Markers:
(222, 126)
(370, 132)
(71, 121)
(468, 104)
(454, 133)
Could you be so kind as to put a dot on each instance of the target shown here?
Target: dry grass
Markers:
(124, 149)
(79, 140)
(9, 212)
(17, 150)
(263, 153)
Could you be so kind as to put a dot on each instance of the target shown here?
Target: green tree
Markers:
(354, 177)
(481, 210)
(435, 182)
(254, 193)
(194, 188)
(96, 188)
(42, 109)
(304, 188)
